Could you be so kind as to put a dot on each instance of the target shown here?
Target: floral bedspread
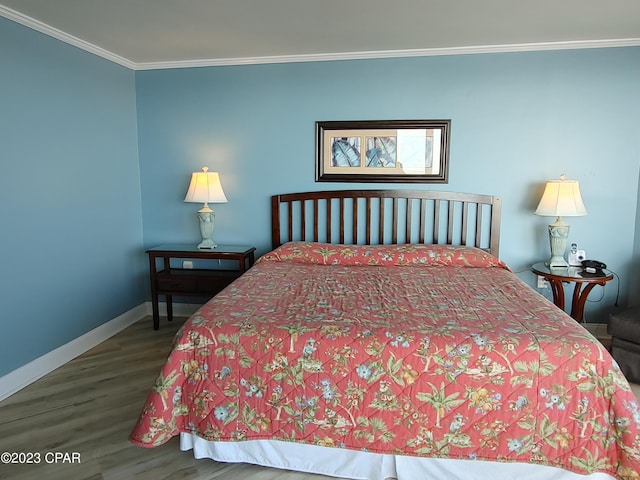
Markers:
(432, 351)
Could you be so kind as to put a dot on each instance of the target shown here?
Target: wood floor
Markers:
(87, 408)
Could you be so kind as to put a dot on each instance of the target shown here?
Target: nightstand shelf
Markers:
(168, 280)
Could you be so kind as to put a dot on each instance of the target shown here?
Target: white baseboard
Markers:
(23, 376)
(38, 368)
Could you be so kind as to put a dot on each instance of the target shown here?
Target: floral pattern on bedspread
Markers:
(417, 359)
(383, 255)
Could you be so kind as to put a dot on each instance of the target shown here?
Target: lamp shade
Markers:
(205, 187)
(561, 198)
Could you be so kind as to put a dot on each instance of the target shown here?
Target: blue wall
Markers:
(517, 120)
(71, 125)
(70, 211)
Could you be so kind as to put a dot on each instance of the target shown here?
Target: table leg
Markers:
(154, 293)
(579, 299)
(558, 292)
(156, 313)
(169, 301)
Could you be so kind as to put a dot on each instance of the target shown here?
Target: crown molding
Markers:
(422, 52)
(322, 57)
(64, 37)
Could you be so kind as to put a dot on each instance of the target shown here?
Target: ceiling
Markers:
(144, 34)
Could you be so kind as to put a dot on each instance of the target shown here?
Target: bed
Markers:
(381, 338)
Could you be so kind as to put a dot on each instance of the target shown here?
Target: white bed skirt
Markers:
(343, 463)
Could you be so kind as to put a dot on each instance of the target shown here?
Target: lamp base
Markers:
(558, 236)
(558, 262)
(207, 244)
(206, 216)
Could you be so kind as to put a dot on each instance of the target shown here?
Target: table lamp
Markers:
(561, 198)
(205, 188)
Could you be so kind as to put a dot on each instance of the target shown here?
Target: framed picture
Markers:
(400, 151)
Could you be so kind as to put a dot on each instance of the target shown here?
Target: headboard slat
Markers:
(329, 204)
(315, 219)
(394, 239)
(341, 219)
(436, 221)
(465, 215)
(303, 220)
(409, 221)
(423, 217)
(450, 220)
(290, 221)
(381, 221)
(478, 224)
(355, 221)
(458, 217)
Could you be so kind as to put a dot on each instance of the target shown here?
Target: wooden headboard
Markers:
(374, 217)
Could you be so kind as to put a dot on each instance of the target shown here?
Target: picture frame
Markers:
(395, 151)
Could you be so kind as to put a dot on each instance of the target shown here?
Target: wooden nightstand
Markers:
(170, 279)
(556, 278)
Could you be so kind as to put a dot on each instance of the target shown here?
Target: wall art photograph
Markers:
(401, 151)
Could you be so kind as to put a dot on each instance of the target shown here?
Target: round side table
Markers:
(584, 283)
